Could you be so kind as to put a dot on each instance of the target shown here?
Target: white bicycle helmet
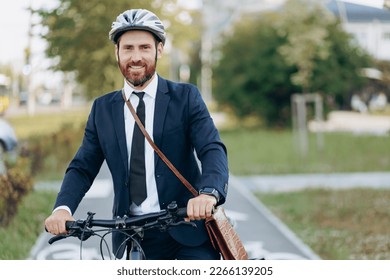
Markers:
(137, 19)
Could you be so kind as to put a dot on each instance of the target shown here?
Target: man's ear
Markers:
(160, 49)
(116, 52)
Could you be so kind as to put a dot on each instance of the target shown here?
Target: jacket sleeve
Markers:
(83, 168)
(210, 149)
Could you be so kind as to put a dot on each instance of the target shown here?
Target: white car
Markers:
(8, 140)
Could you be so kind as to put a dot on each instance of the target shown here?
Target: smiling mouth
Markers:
(136, 67)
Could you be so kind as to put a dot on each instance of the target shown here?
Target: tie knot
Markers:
(140, 94)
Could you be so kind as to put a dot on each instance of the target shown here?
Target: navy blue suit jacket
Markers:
(182, 124)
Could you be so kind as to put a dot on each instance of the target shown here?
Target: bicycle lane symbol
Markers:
(256, 250)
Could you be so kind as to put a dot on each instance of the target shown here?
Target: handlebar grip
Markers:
(182, 212)
(69, 224)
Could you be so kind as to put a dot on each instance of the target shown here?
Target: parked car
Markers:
(8, 140)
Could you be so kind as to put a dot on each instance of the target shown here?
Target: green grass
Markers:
(46, 123)
(258, 151)
(254, 151)
(337, 224)
(18, 238)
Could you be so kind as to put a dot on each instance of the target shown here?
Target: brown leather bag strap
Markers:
(157, 150)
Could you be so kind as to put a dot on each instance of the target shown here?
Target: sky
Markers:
(14, 26)
(374, 3)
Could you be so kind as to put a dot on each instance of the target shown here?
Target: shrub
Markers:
(14, 185)
(50, 154)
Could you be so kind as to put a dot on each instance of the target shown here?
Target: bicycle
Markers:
(133, 227)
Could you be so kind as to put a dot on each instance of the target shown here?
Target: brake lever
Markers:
(82, 235)
(57, 237)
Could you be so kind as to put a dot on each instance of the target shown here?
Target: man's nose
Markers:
(136, 56)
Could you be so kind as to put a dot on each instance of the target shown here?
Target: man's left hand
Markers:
(201, 207)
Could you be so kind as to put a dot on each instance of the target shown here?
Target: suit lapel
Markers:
(160, 111)
(119, 125)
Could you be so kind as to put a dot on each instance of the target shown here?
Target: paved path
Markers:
(280, 183)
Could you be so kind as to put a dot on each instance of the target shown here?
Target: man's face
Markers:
(137, 56)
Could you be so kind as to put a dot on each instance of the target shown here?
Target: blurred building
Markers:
(370, 26)
(386, 4)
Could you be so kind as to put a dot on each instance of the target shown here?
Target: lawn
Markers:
(47, 123)
(337, 224)
(254, 151)
(18, 238)
(260, 152)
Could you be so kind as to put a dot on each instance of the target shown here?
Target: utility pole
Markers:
(208, 25)
(28, 70)
(342, 12)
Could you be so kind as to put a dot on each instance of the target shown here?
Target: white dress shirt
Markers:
(151, 203)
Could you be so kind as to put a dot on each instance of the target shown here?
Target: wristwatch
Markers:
(210, 191)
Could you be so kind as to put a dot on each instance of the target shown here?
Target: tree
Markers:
(304, 25)
(252, 76)
(77, 37)
(339, 76)
(266, 59)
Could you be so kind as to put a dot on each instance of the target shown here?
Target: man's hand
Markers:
(201, 207)
(55, 223)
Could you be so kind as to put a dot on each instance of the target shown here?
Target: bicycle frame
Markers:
(135, 252)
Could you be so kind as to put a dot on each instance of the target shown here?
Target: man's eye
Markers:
(126, 47)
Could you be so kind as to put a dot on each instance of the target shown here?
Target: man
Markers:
(179, 123)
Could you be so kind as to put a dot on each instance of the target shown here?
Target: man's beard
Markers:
(137, 80)
(140, 81)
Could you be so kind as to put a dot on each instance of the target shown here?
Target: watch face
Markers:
(208, 190)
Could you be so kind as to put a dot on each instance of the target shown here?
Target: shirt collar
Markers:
(150, 90)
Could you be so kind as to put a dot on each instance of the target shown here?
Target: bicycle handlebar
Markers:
(163, 219)
(126, 222)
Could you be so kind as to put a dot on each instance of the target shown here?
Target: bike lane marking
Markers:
(271, 228)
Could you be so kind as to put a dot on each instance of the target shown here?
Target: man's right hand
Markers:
(55, 223)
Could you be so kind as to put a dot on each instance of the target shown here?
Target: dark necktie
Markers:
(137, 178)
